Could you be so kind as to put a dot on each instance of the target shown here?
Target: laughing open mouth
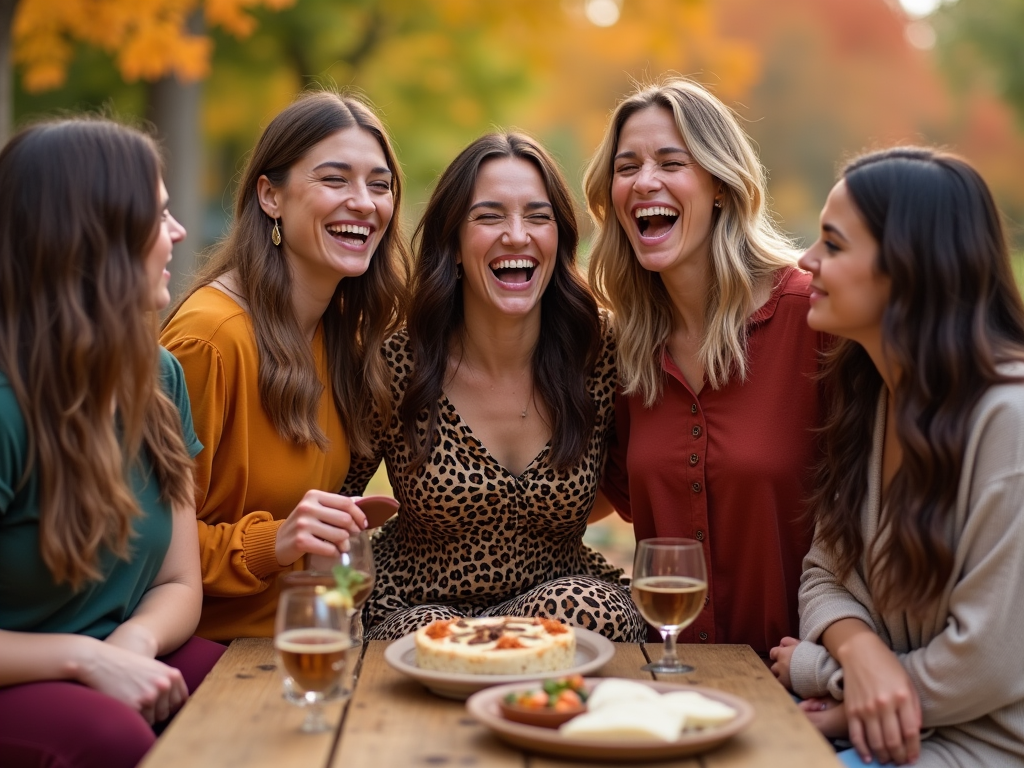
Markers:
(353, 233)
(655, 220)
(514, 270)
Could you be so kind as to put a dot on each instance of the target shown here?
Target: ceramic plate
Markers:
(593, 651)
(484, 707)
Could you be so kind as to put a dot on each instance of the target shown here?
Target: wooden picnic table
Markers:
(239, 718)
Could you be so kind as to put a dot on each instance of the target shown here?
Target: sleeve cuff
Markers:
(259, 547)
(813, 672)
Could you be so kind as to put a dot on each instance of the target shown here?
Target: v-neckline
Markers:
(468, 430)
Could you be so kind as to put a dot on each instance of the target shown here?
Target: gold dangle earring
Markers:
(275, 233)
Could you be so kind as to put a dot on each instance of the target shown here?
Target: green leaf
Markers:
(347, 580)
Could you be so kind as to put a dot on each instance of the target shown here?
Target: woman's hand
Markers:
(882, 706)
(781, 655)
(827, 715)
(319, 525)
(152, 688)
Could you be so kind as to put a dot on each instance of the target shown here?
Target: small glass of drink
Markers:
(669, 585)
(313, 638)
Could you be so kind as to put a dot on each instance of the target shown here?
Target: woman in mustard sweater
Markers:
(272, 335)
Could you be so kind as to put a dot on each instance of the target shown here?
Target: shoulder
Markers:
(12, 421)
(397, 350)
(172, 382)
(1005, 399)
(606, 353)
(208, 315)
(13, 444)
(397, 353)
(172, 376)
(793, 287)
(211, 329)
(604, 377)
(995, 441)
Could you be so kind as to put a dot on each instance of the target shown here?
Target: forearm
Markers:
(239, 559)
(27, 657)
(167, 617)
(840, 639)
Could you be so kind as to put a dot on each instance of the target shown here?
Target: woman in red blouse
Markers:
(718, 401)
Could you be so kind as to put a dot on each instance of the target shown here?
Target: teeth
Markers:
(655, 210)
(355, 229)
(513, 264)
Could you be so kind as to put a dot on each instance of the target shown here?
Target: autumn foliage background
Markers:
(815, 81)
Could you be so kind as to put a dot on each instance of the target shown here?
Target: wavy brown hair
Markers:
(78, 214)
(953, 316)
(746, 246)
(363, 311)
(570, 334)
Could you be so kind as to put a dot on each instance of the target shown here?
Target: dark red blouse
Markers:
(732, 468)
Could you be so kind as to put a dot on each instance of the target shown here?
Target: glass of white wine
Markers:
(313, 638)
(669, 585)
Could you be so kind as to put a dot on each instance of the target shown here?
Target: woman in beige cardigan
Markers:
(912, 598)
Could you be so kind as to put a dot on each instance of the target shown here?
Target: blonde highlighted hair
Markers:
(746, 246)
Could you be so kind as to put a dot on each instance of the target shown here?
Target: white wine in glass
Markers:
(669, 586)
(313, 638)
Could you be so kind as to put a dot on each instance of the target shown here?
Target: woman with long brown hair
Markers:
(502, 387)
(99, 570)
(714, 424)
(273, 336)
(912, 600)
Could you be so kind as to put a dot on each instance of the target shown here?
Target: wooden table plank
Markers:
(238, 717)
(779, 736)
(394, 722)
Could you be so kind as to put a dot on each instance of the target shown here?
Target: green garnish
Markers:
(347, 580)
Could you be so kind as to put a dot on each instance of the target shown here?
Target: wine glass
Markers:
(313, 638)
(357, 555)
(669, 585)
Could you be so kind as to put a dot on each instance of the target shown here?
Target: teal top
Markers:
(30, 601)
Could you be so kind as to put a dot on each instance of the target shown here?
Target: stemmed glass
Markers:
(669, 585)
(358, 556)
(313, 638)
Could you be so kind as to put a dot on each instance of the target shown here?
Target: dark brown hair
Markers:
(78, 215)
(570, 333)
(954, 314)
(364, 310)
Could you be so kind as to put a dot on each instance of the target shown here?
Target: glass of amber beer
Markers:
(669, 585)
(313, 638)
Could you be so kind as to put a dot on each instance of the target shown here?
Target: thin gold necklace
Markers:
(528, 401)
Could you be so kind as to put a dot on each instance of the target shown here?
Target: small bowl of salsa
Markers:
(549, 705)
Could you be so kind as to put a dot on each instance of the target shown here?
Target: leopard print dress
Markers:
(471, 539)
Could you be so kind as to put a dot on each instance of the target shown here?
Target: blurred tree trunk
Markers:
(6, 71)
(175, 109)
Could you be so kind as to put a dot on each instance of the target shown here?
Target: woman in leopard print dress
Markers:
(503, 386)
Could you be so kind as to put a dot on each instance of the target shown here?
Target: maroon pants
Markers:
(57, 724)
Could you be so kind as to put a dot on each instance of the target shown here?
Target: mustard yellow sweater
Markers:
(248, 478)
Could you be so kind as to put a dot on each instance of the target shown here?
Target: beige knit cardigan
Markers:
(966, 656)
